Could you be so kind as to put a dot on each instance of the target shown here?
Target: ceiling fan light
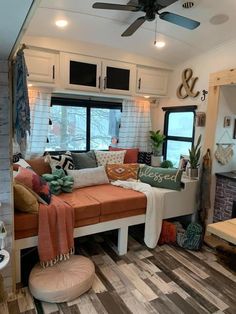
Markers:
(159, 44)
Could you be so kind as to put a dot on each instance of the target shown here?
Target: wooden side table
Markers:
(2, 265)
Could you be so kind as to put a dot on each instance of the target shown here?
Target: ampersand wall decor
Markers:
(188, 83)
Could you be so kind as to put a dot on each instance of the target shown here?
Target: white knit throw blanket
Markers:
(154, 210)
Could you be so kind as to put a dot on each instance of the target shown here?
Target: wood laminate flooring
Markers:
(165, 280)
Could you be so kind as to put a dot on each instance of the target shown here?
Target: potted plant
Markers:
(167, 164)
(194, 156)
(157, 140)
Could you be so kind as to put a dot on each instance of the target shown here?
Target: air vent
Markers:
(188, 4)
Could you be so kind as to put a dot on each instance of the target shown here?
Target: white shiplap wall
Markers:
(6, 209)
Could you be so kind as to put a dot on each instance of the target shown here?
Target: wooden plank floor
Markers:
(164, 280)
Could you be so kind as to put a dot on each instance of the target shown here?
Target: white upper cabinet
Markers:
(80, 72)
(118, 77)
(41, 65)
(150, 81)
(93, 74)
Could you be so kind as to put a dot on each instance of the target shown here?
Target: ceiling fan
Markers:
(151, 8)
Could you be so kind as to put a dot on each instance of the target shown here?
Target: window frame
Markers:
(89, 104)
(168, 111)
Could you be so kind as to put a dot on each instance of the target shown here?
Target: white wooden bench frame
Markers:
(177, 203)
(121, 224)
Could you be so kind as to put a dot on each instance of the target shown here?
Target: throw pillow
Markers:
(36, 183)
(63, 161)
(107, 157)
(144, 158)
(161, 177)
(16, 157)
(24, 199)
(84, 160)
(131, 155)
(21, 162)
(122, 171)
(89, 177)
(59, 182)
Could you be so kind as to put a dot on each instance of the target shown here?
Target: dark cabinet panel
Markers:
(82, 73)
(117, 78)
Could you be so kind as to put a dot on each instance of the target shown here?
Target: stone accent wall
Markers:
(224, 197)
(6, 199)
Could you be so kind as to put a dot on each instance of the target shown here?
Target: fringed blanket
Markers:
(154, 210)
(55, 236)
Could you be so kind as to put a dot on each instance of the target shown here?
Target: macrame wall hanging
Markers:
(224, 151)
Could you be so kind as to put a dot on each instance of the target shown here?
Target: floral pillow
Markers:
(131, 155)
(36, 183)
(109, 157)
(62, 161)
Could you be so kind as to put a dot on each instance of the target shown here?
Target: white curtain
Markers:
(135, 125)
(39, 101)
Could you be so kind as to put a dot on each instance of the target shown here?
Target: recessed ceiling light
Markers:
(30, 85)
(146, 96)
(159, 44)
(219, 19)
(61, 23)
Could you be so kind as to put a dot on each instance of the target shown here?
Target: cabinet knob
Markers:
(139, 83)
(105, 82)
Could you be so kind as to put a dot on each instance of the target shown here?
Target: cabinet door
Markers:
(118, 77)
(41, 66)
(151, 81)
(80, 72)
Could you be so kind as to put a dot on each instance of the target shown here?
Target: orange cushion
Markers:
(131, 155)
(115, 199)
(168, 233)
(85, 206)
(122, 171)
(39, 165)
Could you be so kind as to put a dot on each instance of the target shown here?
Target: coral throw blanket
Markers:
(55, 236)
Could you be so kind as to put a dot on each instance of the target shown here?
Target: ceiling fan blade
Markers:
(165, 3)
(112, 6)
(179, 20)
(134, 26)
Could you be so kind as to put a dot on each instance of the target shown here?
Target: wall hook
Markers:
(204, 93)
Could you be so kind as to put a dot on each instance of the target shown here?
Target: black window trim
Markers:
(88, 104)
(175, 109)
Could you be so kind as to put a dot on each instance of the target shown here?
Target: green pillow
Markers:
(161, 177)
(84, 160)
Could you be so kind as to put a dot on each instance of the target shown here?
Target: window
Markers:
(81, 125)
(179, 132)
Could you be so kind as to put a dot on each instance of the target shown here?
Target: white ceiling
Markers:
(105, 27)
(12, 17)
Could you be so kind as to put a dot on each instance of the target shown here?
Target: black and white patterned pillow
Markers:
(16, 157)
(144, 158)
(62, 161)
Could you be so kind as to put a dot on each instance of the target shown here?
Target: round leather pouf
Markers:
(62, 282)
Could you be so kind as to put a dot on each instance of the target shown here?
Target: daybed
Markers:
(102, 208)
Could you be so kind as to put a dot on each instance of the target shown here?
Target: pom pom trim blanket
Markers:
(55, 234)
